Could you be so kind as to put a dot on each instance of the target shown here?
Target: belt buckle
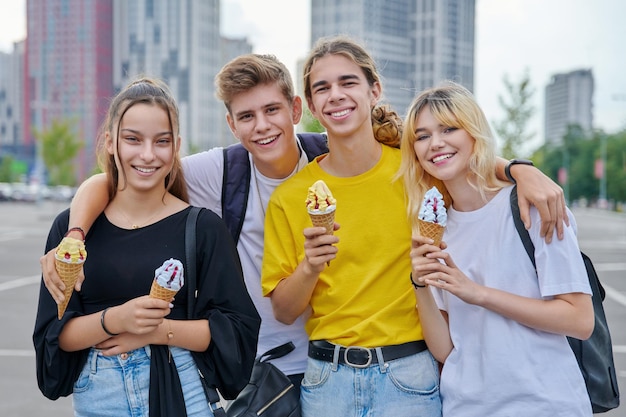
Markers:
(355, 365)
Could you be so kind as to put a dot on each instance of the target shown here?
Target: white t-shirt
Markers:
(204, 174)
(499, 367)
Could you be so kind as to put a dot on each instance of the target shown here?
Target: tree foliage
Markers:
(518, 111)
(578, 155)
(60, 145)
(310, 123)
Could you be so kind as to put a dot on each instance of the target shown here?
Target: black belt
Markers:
(360, 357)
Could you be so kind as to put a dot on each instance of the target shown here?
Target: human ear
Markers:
(231, 124)
(108, 143)
(296, 110)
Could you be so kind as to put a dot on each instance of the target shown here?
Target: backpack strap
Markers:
(313, 144)
(521, 229)
(235, 188)
(237, 174)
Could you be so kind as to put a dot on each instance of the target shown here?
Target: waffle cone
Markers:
(68, 272)
(431, 230)
(325, 219)
(161, 293)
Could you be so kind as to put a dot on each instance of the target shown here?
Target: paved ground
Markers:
(23, 231)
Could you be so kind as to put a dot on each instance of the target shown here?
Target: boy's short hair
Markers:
(247, 71)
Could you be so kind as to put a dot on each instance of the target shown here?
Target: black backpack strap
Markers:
(235, 188)
(521, 229)
(313, 144)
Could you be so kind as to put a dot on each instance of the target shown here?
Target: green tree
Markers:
(6, 169)
(518, 110)
(310, 123)
(60, 145)
(615, 166)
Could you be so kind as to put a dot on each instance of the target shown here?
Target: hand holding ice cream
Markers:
(433, 216)
(68, 260)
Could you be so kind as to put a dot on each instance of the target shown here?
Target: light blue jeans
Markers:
(405, 387)
(119, 385)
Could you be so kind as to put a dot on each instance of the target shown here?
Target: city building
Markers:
(11, 84)
(416, 43)
(230, 48)
(568, 100)
(179, 42)
(68, 67)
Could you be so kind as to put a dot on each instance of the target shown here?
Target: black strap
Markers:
(521, 229)
(313, 144)
(277, 352)
(235, 188)
(213, 398)
(190, 254)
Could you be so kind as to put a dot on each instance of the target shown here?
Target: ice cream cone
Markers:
(162, 293)
(431, 230)
(68, 260)
(324, 219)
(68, 272)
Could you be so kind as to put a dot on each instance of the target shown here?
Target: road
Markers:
(23, 231)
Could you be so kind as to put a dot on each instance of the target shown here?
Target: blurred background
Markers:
(547, 74)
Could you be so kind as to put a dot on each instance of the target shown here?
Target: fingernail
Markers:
(171, 305)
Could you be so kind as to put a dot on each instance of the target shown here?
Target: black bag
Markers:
(269, 393)
(594, 355)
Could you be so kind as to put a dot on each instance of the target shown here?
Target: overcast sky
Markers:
(544, 37)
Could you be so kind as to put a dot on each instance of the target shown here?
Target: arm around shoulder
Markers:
(90, 200)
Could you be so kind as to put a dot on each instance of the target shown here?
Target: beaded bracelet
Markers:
(103, 326)
(77, 229)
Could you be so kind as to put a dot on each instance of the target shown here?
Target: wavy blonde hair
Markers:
(452, 105)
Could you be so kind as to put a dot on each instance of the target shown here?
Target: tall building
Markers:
(416, 43)
(11, 83)
(179, 42)
(230, 49)
(568, 100)
(68, 67)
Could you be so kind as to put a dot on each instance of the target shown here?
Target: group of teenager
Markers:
(384, 322)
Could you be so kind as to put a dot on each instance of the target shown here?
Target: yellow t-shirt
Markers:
(364, 298)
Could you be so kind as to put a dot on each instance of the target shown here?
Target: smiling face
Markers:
(443, 151)
(144, 149)
(341, 97)
(263, 120)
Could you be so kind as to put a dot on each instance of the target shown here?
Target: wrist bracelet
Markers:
(416, 285)
(102, 323)
(507, 168)
(170, 333)
(76, 229)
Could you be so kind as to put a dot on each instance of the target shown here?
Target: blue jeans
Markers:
(405, 387)
(119, 385)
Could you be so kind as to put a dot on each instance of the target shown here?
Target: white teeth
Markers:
(441, 158)
(266, 141)
(340, 113)
(145, 170)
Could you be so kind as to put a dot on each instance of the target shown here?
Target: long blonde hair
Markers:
(453, 106)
